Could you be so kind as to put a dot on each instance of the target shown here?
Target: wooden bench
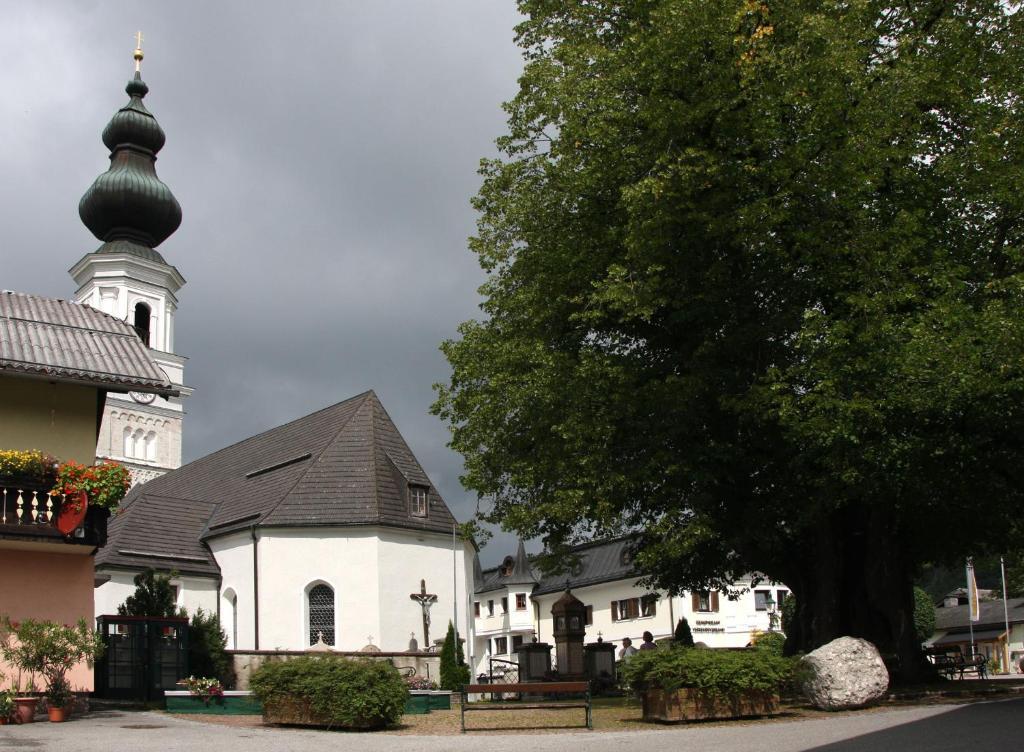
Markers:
(529, 688)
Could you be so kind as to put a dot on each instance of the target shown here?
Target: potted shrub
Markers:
(25, 703)
(49, 649)
(330, 691)
(58, 699)
(105, 484)
(685, 684)
(6, 705)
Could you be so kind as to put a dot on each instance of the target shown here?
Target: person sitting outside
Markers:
(648, 643)
(627, 649)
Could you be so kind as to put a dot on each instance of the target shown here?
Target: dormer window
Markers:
(507, 566)
(417, 501)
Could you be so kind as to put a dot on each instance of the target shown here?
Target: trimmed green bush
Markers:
(924, 615)
(716, 673)
(773, 642)
(683, 637)
(207, 646)
(341, 692)
(454, 671)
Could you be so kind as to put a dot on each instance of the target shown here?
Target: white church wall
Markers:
(405, 558)
(112, 593)
(234, 556)
(291, 559)
(193, 592)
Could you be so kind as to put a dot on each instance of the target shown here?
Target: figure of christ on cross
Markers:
(426, 600)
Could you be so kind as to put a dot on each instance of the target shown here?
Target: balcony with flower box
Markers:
(31, 515)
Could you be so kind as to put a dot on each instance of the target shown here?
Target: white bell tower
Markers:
(132, 212)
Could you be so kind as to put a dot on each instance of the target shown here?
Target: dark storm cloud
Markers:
(324, 154)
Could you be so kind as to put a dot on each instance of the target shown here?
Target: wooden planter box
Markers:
(691, 705)
(417, 703)
(233, 703)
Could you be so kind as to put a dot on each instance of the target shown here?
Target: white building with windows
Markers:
(512, 605)
(318, 530)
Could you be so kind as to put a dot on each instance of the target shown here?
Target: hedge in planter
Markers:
(689, 683)
(330, 691)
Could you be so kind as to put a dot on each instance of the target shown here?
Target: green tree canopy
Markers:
(153, 596)
(754, 291)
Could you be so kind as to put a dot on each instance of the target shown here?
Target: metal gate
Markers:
(144, 656)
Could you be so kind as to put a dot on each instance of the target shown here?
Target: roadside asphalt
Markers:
(996, 726)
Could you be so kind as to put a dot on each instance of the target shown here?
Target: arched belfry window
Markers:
(142, 316)
(320, 604)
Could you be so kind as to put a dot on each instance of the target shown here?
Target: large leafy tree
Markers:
(754, 291)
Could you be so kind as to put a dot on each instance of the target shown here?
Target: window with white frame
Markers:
(417, 501)
(649, 605)
(500, 645)
(520, 601)
(761, 600)
(320, 611)
(626, 608)
(490, 608)
(705, 601)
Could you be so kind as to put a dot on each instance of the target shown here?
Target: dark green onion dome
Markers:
(129, 202)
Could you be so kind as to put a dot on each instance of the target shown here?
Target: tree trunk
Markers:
(855, 581)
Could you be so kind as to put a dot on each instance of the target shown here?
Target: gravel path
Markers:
(978, 727)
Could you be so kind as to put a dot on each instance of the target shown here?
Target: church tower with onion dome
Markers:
(132, 212)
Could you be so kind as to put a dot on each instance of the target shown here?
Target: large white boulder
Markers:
(845, 673)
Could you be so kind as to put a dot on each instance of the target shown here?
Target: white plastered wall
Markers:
(193, 592)
(234, 556)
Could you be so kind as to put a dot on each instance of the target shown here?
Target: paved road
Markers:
(980, 727)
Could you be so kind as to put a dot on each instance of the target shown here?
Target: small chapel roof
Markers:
(345, 465)
(596, 562)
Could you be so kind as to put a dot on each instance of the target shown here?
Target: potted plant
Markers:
(6, 705)
(25, 703)
(205, 689)
(58, 699)
(50, 649)
(683, 684)
(26, 469)
(104, 484)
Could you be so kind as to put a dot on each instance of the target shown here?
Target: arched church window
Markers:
(128, 444)
(321, 614)
(142, 317)
(151, 446)
(138, 445)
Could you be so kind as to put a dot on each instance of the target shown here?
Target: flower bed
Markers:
(228, 703)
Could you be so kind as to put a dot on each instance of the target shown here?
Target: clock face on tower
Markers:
(142, 397)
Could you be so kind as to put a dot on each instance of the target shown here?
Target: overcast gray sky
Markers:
(324, 154)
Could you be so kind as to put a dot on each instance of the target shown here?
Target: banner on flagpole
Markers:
(972, 593)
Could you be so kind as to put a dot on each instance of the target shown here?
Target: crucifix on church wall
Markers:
(426, 600)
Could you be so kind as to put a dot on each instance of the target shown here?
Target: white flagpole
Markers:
(1006, 619)
(972, 595)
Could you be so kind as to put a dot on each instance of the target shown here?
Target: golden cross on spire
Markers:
(138, 51)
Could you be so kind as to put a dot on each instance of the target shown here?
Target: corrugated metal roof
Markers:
(67, 341)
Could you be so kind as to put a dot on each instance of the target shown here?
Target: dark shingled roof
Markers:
(71, 342)
(599, 561)
(957, 618)
(344, 465)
